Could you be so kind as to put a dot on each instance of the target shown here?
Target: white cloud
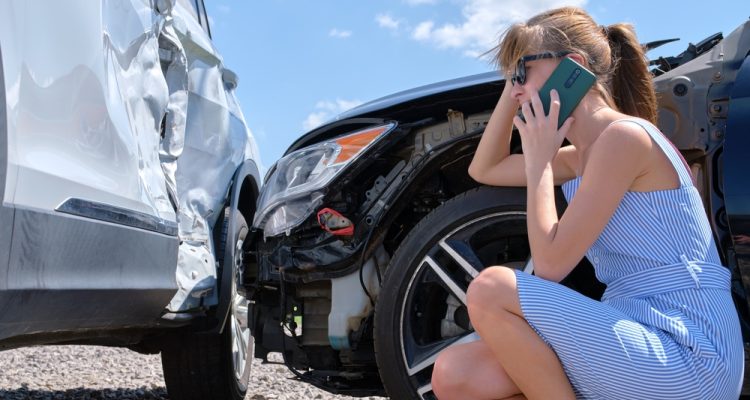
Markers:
(315, 120)
(325, 110)
(423, 30)
(386, 21)
(419, 2)
(339, 33)
(483, 22)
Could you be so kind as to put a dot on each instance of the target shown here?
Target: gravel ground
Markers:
(93, 372)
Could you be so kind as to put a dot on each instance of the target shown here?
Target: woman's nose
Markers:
(516, 91)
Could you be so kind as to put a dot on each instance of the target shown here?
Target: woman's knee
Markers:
(448, 381)
(493, 290)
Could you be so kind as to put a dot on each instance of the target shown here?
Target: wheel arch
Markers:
(243, 196)
(447, 167)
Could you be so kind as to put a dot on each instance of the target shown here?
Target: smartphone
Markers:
(572, 81)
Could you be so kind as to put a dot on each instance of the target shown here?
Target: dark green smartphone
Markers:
(572, 81)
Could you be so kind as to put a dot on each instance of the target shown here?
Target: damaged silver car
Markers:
(127, 175)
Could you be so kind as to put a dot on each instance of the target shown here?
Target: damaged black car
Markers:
(369, 229)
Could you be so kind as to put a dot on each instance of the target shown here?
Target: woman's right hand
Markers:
(506, 99)
(494, 146)
(494, 165)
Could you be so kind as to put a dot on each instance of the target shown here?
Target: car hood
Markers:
(421, 102)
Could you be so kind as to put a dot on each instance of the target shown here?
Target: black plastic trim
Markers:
(71, 274)
(117, 215)
(47, 316)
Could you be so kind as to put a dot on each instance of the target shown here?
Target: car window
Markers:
(204, 17)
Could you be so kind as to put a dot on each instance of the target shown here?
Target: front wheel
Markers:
(421, 309)
(215, 366)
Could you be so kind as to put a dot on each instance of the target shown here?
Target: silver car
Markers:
(127, 175)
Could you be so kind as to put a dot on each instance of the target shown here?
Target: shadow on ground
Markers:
(143, 393)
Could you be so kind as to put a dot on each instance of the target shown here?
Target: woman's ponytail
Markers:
(632, 88)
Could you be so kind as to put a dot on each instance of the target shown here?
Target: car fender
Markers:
(243, 195)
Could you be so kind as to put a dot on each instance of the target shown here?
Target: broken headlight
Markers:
(293, 190)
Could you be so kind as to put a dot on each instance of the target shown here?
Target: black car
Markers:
(369, 229)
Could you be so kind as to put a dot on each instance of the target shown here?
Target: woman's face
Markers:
(537, 72)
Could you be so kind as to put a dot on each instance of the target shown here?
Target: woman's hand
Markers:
(540, 138)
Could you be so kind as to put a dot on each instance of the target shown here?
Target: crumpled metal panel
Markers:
(132, 113)
(87, 124)
(216, 141)
(133, 67)
(175, 65)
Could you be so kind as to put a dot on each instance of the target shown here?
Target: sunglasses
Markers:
(519, 76)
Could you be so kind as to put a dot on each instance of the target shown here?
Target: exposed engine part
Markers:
(378, 188)
(456, 123)
(316, 305)
(382, 182)
(434, 135)
(335, 223)
(352, 304)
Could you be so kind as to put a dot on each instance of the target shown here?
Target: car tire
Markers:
(420, 310)
(201, 365)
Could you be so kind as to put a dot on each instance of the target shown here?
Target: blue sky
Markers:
(302, 62)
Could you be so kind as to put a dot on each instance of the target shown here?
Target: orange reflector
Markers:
(352, 144)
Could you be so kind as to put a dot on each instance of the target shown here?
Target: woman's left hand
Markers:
(540, 138)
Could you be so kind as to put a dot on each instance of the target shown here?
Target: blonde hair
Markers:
(612, 53)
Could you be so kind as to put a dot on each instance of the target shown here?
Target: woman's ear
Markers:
(577, 58)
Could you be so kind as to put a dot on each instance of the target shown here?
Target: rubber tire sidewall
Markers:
(199, 365)
(241, 231)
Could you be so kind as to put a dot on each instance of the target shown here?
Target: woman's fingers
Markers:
(537, 103)
(528, 115)
(554, 106)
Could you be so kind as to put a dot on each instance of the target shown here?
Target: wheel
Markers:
(421, 309)
(216, 366)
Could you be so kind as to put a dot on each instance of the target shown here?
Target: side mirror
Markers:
(230, 78)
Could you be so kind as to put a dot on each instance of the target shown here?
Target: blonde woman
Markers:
(666, 327)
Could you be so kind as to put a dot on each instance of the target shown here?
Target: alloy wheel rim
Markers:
(239, 329)
(447, 268)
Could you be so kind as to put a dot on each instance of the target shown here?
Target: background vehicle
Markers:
(127, 175)
(369, 230)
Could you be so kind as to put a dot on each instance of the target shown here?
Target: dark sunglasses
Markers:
(519, 76)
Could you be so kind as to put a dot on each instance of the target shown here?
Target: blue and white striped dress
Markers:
(666, 327)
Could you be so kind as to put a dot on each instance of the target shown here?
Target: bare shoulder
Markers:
(623, 142)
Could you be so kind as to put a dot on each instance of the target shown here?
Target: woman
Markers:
(666, 327)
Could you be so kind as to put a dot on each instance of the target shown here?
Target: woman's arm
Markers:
(617, 158)
(494, 165)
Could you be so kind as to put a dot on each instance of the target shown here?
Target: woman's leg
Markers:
(471, 372)
(495, 313)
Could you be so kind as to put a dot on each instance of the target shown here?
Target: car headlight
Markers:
(293, 190)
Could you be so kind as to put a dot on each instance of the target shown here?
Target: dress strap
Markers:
(679, 163)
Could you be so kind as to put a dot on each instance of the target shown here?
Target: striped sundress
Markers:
(666, 327)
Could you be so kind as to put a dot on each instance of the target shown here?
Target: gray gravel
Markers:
(93, 372)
